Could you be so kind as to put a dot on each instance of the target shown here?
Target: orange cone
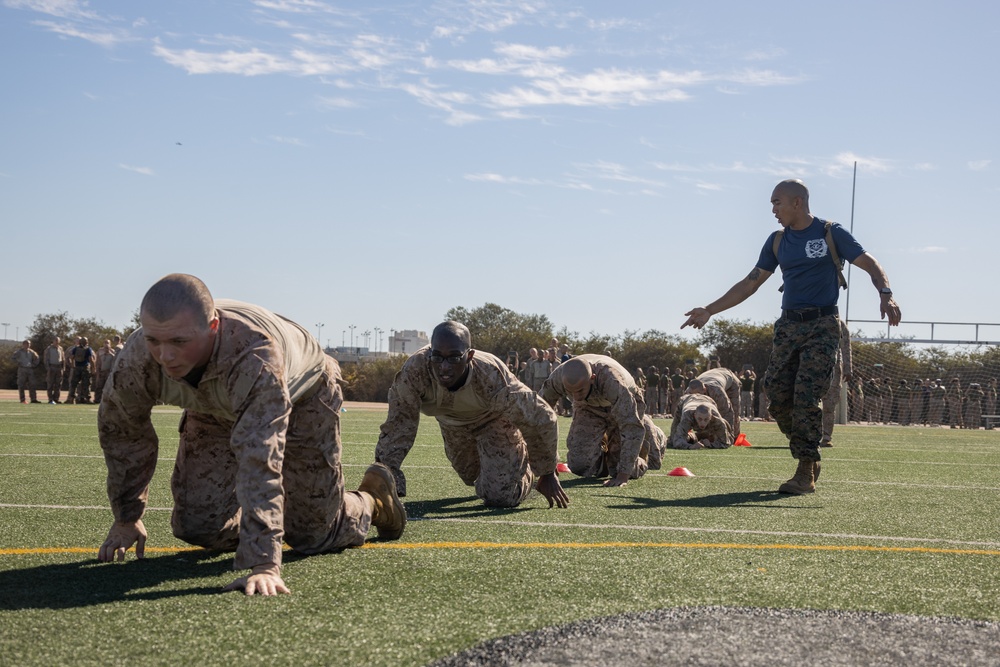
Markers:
(741, 441)
(680, 472)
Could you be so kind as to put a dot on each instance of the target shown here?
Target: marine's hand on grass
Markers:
(121, 537)
(549, 486)
(621, 479)
(263, 579)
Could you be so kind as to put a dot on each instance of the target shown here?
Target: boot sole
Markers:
(395, 507)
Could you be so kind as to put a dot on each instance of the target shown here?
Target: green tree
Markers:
(369, 381)
(499, 330)
(738, 342)
(656, 348)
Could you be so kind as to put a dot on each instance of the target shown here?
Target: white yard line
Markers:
(602, 527)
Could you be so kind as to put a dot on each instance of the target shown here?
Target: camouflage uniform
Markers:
(540, 369)
(611, 431)
(27, 361)
(974, 407)
(841, 367)
(55, 359)
(935, 408)
(873, 406)
(498, 434)
(991, 403)
(797, 377)
(105, 361)
(887, 402)
(718, 432)
(259, 454)
(953, 398)
(901, 401)
(724, 387)
(653, 392)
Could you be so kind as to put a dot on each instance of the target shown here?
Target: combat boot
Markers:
(388, 513)
(803, 481)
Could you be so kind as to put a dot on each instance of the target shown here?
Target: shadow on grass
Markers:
(87, 582)
(756, 499)
(469, 506)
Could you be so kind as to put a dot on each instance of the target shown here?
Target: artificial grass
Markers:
(905, 521)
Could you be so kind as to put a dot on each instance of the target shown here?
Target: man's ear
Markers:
(472, 353)
(213, 324)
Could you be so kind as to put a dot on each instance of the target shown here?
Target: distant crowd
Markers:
(79, 370)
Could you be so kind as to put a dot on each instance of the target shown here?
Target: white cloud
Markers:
(145, 171)
(246, 63)
(291, 141)
(295, 6)
(336, 103)
(843, 163)
(979, 165)
(61, 8)
(67, 30)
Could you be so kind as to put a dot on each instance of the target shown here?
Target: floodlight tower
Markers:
(352, 328)
(5, 325)
(319, 332)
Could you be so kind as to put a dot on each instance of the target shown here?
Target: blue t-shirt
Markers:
(809, 274)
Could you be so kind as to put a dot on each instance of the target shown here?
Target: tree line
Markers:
(500, 331)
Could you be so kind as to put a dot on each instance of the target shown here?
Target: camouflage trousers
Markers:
(53, 380)
(319, 516)
(26, 382)
(746, 404)
(492, 457)
(594, 444)
(831, 399)
(797, 377)
(935, 412)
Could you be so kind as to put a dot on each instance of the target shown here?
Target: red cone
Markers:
(562, 467)
(741, 441)
(680, 472)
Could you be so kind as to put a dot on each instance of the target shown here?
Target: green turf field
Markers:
(906, 520)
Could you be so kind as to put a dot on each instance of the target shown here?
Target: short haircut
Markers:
(794, 188)
(176, 293)
(454, 330)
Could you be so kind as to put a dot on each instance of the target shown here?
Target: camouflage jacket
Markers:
(614, 395)
(491, 391)
(718, 432)
(260, 366)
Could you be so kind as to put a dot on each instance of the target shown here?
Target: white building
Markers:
(407, 341)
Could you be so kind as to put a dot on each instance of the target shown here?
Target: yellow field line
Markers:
(564, 545)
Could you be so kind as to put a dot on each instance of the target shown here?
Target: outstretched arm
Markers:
(737, 294)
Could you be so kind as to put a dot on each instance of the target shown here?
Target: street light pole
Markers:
(352, 328)
(5, 325)
(319, 332)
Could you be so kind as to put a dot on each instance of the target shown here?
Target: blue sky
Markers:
(375, 164)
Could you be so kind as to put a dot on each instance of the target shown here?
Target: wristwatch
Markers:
(885, 290)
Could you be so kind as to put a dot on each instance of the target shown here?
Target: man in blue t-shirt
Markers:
(807, 335)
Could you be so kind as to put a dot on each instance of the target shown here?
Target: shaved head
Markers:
(576, 371)
(695, 386)
(702, 416)
(177, 293)
(793, 188)
(451, 331)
